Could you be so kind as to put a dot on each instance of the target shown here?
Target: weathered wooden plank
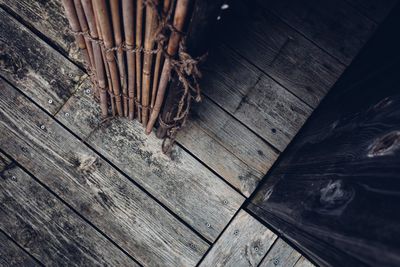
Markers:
(335, 26)
(25, 61)
(285, 55)
(92, 187)
(48, 18)
(238, 155)
(12, 255)
(374, 9)
(182, 183)
(4, 161)
(255, 99)
(281, 254)
(303, 262)
(48, 229)
(217, 157)
(243, 243)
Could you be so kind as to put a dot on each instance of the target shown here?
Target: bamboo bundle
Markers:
(131, 47)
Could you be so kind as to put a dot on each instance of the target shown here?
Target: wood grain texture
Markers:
(214, 154)
(48, 229)
(303, 262)
(377, 10)
(243, 243)
(281, 255)
(24, 61)
(333, 193)
(336, 26)
(4, 161)
(49, 19)
(236, 154)
(12, 255)
(219, 132)
(253, 98)
(289, 58)
(182, 183)
(92, 187)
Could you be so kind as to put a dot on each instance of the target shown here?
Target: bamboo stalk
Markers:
(97, 54)
(84, 28)
(150, 28)
(74, 23)
(173, 43)
(105, 25)
(116, 22)
(128, 19)
(159, 58)
(139, 25)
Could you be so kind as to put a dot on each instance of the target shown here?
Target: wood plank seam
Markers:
(18, 245)
(276, 150)
(41, 35)
(113, 165)
(267, 74)
(15, 163)
(227, 208)
(306, 37)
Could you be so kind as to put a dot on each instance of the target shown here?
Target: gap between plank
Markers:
(113, 166)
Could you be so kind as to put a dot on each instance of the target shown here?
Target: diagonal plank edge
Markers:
(181, 182)
(12, 255)
(92, 187)
(48, 229)
(24, 61)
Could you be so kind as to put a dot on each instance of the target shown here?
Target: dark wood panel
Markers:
(335, 191)
(25, 59)
(333, 25)
(48, 229)
(281, 52)
(92, 186)
(375, 9)
(12, 255)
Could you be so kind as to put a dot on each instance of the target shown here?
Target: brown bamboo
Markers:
(159, 58)
(150, 28)
(97, 54)
(129, 26)
(173, 43)
(139, 32)
(105, 25)
(84, 28)
(74, 23)
(116, 23)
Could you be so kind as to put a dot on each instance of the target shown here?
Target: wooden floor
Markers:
(78, 191)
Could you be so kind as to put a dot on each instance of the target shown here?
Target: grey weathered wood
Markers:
(4, 161)
(48, 229)
(252, 97)
(182, 183)
(289, 58)
(335, 26)
(243, 243)
(92, 187)
(49, 19)
(230, 149)
(303, 262)
(377, 10)
(25, 63)
(281, 254)
(220, 159)
(12, 255)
